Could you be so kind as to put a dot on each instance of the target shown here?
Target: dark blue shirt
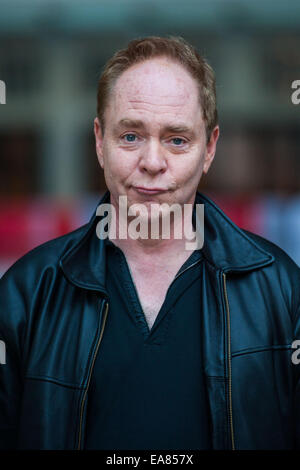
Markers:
(147, 389)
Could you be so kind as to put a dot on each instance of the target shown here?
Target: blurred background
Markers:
(51, 55)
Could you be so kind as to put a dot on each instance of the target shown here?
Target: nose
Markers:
(153, 159)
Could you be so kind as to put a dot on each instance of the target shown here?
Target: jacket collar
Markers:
(226, 247)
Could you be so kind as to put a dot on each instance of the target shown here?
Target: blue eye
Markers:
(177, 141)
(130, 137)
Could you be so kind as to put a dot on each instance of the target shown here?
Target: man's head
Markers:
(157, 121)
(174, 48)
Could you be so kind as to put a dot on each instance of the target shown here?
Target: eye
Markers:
(129, 137)
(177, 141)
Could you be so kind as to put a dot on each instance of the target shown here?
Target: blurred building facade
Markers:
(51, 55)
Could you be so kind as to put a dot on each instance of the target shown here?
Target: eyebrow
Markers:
(137, 124)
(177, 128)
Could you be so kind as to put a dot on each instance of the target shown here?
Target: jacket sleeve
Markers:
(12, 327)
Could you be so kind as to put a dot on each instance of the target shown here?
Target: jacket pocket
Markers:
(49, 415)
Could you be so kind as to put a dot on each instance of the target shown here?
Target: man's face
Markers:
(154, 146)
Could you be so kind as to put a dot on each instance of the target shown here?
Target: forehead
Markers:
(158, 84)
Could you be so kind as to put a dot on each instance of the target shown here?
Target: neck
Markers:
(157, 243)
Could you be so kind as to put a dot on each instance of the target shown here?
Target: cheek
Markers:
(189, 171)
(118, 167)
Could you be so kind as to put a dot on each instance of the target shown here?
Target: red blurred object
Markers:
(25, 225)
(246, 211)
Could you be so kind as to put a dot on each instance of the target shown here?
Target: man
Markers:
(139, 343)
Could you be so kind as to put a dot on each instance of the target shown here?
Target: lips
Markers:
(143, 190)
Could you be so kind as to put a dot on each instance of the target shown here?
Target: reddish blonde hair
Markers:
(175, 48)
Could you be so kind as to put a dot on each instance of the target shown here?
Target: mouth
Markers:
(149, 191)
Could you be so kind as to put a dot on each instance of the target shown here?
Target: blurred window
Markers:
(18, 163)
(280, 63)
(20, 65)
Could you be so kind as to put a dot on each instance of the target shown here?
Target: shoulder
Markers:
(46, 255)
(281, 258)
(283, 275)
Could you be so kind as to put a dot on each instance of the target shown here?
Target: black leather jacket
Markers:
(53, 310)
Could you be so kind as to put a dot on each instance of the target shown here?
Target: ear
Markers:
(211, 149)
(99, 141)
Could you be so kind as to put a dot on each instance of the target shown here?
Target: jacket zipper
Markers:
(191, 265)
(229, 362)
(90, 374)
(181, 272)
